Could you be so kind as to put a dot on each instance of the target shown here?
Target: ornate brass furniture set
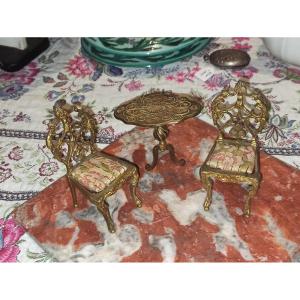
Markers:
(233, 158)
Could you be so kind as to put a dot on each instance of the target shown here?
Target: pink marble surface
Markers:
(172, 225)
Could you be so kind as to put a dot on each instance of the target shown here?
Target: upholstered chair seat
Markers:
(97, 173)
(233, 157)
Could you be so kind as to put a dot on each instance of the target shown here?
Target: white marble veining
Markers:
(115, 247)
(291, 247)
(130, 141)
(239, 211)
(278, 198)
(64, 220)
(185, 211)
(35, 219)
(146, 182)
(205, 146)
(143, 215)
(166, 244)
(123, 243)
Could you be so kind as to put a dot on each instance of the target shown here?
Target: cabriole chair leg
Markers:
(103, 207)
(133, 185)
(208, 184)
(251, 194)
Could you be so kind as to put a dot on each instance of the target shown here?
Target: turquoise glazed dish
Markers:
(141, 52)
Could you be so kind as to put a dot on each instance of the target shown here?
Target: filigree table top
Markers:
(158, 108)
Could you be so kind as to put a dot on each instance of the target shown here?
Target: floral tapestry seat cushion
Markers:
(97, 173)
(233, 157)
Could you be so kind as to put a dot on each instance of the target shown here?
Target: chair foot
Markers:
(112, 230)
(139, 204)
(206, 205)
(247, 212)
(103, 207)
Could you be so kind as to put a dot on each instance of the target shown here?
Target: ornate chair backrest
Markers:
(245, 117)
(72, 133)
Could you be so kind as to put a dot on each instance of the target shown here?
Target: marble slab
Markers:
(172, 225)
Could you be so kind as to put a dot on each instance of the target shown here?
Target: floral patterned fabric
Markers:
(10, 234)
(27, 98)
(97, 173)
(233, 157)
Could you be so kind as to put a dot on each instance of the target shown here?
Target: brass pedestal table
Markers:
(158, 109)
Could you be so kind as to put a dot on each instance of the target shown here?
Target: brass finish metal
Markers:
(238, 124)
(72, 140)
(158, 109)
(229, 58)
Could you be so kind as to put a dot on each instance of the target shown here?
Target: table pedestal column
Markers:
(160, 134)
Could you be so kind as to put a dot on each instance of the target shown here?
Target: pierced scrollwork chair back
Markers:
(71, 138)
(245, 117)
(234, 156)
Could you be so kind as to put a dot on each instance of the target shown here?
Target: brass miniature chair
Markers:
(72, 140)
(234, 156)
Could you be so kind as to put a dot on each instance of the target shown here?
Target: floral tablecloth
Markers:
(27, 98)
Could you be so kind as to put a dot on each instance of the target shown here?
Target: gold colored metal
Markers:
(72, 140)
(158, 109)
(239, 124)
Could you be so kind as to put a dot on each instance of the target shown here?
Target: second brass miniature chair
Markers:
(72, 140)
(234, 156)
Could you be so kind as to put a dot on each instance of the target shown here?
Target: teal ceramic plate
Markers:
(141, 52)
(138, 46)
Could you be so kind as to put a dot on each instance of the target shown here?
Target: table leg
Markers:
(180, 162)
(155, 158)
(160, 134)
